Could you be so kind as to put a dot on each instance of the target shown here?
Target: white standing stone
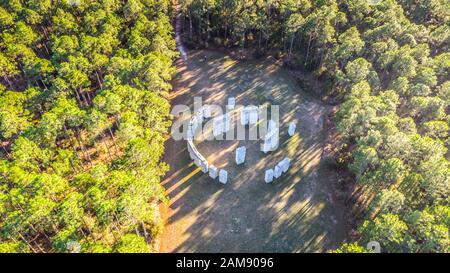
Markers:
(223, 176)
(244, 116)
(291, 129)
(194, 124)
(271, 125)
(271, 141)
(253, 118)
(213, 172)
(200, 115)
(204, 166)
(240, 155)
(193, 127)
(268, 176)
(286, 162)
(218, 126)
(265, 147)
(274, 140)
(227, 122)
(280, 166)
(252, 114)
(231, 103)
(189, 133)
(206, 111)
(277, 171)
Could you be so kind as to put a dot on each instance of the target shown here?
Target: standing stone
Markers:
(223, 176)
(200, 115)
(277, 171)
(271, 141)
(252, 114)
(286, 162)
(280, 166)
(206, 111)
(213, 172)
(227, 122)
(268, 176)
(231, 103)
(265, 147)
(291, 129)
(274, 139)
(189, 133)
(218, 126)
(204, 166)
(240, 155)
(271, 125)
(244, 116)
(271, 138)
(194, 124)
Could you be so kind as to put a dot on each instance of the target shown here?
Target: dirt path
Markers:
(297, 213)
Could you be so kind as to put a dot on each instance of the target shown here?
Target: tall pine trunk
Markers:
(190, 25)
(307, 51)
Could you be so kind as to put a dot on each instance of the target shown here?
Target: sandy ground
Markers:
(296, 213)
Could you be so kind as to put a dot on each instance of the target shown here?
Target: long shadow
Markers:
(296, 213)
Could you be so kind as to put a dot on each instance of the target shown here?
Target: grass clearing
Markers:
(297, 213)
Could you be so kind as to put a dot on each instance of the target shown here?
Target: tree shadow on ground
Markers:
(295, 213)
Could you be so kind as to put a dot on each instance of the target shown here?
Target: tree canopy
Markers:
(386, 65)
(71, 73)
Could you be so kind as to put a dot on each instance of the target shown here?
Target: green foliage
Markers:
(350, 248)
(357, 70)
(70, 75)
(83, 111)
(388, 67)
(130, 243)
(11, 247)
(388, 201)
(429, 233)
(388, 229)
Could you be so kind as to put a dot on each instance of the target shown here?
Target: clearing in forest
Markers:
(296, 213)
